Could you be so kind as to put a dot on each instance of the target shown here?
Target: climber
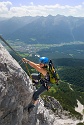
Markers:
(45, 80)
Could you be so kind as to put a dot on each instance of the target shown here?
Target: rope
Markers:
(27, 70)
(9, 46)
(16, 54)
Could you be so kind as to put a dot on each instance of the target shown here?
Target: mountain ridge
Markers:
(50, 29)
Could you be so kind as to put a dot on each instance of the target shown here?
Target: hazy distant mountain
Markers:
(9, 26)
(50, 29)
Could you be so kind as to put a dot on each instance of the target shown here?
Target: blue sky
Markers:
(10, 8)
(44, 2)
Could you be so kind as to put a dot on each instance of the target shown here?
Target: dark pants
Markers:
(38, 92)
(36, 96)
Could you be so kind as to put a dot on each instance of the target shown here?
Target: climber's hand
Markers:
(24, 60)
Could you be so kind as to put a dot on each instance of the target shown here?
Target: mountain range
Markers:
(43, 30)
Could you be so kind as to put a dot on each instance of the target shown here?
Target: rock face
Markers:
(16, 91)
(53, 104)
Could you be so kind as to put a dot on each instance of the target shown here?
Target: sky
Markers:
(10, 8)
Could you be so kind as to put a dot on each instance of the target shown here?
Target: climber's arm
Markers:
(35, 66)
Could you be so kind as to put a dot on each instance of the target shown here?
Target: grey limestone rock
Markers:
(15, 90)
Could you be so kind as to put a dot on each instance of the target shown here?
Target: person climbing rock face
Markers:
(45, 80)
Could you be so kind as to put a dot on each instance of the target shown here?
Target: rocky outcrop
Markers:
(53, 104)
(16, 92)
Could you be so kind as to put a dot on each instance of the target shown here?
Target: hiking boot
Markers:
(30, 107)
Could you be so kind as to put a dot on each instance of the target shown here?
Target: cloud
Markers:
(5, 8)
(31, 3)
(8, 10)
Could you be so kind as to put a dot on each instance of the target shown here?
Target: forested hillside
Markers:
(73, 75)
